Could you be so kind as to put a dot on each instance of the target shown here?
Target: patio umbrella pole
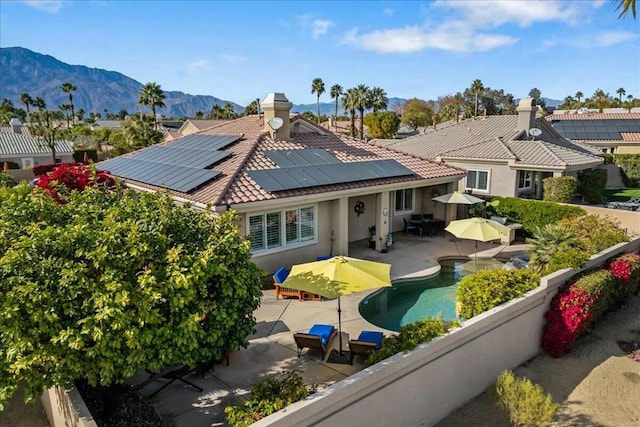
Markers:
(475, 258)
(340, 326)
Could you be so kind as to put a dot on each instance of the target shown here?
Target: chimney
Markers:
(277, 105)
(527, 114)
(16, 126)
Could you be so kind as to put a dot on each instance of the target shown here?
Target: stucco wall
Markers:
(628, 219)
(502, 179)
(65, 408)
(422, 387)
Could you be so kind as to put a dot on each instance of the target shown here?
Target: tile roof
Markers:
(205, 124)
(23, 129)
(17, 144)
(593, 116)
(495, 138)
(234, 186)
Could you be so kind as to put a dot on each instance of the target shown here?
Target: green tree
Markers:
(80, 114)
(138, 131)
(27, 101)
(378, 99)
(251, 108)
(40, 104)
(8, 111)
(537, 95)
(317, 87)
(199, 115)
(229, 111)
(122, 114)
(416, 112)
(626, 6)
(383, 124)
(362, 101)
(152, 95)
(216, 112)
(336, 92)
(476, 87)
(47, 129)
(69, 89)
(548, 241)
(569, 103)
(65, 109)
(349, 103)
(621, 92)
(110, 283)
(579, 96)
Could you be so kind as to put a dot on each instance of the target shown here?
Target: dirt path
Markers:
(596, 384)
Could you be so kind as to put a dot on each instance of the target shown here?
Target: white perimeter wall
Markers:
(422, 387)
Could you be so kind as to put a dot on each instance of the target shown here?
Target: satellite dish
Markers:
(535, 132)
(275, 123)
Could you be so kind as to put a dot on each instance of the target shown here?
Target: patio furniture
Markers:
(410, 226)
(177, 373)
(318, 337)
(278, 278)
(367, 342)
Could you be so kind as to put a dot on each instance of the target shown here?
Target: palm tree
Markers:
(69, 88)
(476, 88)
(229, 111)
(317, 87)
(199, 115)
(362, 101)
(80, 114)
(349, 104)
(336, 92)
(379, 100)
(548, 241)
(621, 92)
(26, 99)
(151, 94)
(216, 112)
(579, 96)
(65, 108)
(39, 104)
(627, 5)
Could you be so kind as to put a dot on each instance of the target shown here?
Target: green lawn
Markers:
(621, 195)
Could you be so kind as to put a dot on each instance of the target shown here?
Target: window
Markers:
(27, 162)
(404, 200)
(524, 179)
(268, 231)
(478, 180)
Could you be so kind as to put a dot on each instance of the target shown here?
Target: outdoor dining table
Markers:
(429, 226)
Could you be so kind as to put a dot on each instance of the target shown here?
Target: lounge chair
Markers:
(367, 342)
(318, 337)
(279, 276)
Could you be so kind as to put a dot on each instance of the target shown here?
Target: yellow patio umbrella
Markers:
(338, 276)
(478, 229)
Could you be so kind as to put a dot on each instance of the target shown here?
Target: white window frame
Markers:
(286, 242)
(478, 172)
(405, 209)
(27, 162)
(526, 186)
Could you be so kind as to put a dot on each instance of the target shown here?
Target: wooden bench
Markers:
(278, 278)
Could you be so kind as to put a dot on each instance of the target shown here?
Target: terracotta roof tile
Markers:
(593, 116)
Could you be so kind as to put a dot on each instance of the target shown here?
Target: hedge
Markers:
(592, 183)
(534, 213)
(559, 189)
(629, 165)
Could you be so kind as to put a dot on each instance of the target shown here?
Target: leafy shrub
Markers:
(595, 233)
(269, 396)
(549, 247)
(559, 189)
(626, 268)
(629, 165)
(575, 307)
(592, 184)
(6, 180)
(67, 178)
(46, 168)
(534, 213)
(409, 337)
(568, 258)
(526, 403)
(490, 288)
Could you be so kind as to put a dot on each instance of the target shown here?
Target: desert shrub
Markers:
(559, 189)
(626, 268)
(409, 337)
(574, 309)
(592, 184)
(629, 165)
(6, 180)
(534, 213)
(549, 247)
(526, 403)
(595, 233)
(269, 396)
(490, 288)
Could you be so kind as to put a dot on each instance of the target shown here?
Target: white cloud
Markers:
(319, 27)
(48, 6)
(609, 38)
(195, 67)
(232, 59)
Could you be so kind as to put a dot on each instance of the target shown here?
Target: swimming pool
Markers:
(406, 302)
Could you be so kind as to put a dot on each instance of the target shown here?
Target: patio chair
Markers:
(414, 228)
(318, 337)
(178, 373)
(367, 342)
(279, 276)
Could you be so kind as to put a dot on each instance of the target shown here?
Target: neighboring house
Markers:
(500, 153)
(301, 191)
(613, 132)
(27, 151)
(193, 125)
(107, 124)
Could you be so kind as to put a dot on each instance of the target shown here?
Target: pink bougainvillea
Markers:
(627, 269)
(67, 177)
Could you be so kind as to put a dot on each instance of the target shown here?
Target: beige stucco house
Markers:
(19, 146)
(301, 190)
(503, 155)
(617, 132)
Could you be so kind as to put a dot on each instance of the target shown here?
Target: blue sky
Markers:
(242, 50)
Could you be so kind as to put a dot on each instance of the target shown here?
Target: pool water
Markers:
(406, 302)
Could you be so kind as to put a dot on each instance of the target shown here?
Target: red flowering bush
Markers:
(47, 167)
(67, 178)
(627, 269)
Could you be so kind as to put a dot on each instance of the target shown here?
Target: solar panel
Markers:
(173, 177)
(291, 178)
(596, 129)
(205, 142)
(303, 157)
(181, 156)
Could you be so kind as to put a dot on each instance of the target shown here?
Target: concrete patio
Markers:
(272, 348)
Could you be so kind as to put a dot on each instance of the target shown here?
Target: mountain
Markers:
(329, 108)
(42, 75)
